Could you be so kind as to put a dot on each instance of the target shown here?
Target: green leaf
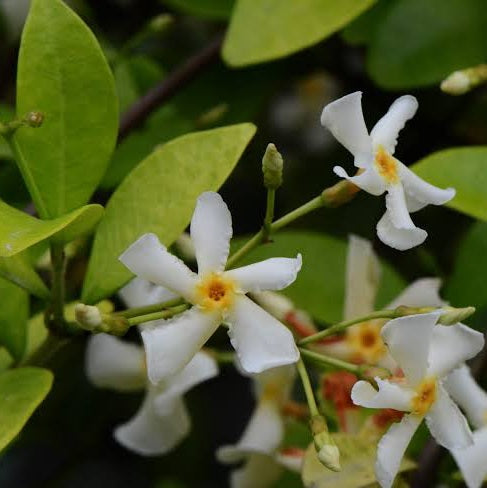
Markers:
(320, 286)
(270, 29)
(419, 43)
(18, 230)
(463, 168)
(21, 392)
(63, 74)
(14, 313)
(159, 196)
(207, 9)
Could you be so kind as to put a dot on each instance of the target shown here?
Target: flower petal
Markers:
(139, 292)
(471, 398)
(389, 395)
(271, 274)
(115, 364)
(451, 346)
(263, 434)
(447, 424)
(387, 129)
(171, 344)
(261, 341)
(408, 339)
(424, 292)
(391, 448)
(259, 471)
(345, 120)
(399, 238)
(211, 231)
(362, 278)
(150, 434)
(150, 260)
(275, 383)
(368, 181)
(471, 460)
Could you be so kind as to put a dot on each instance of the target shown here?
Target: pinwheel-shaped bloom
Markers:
(473, 401)
(162, 420)
(426, 353)
(260, 443)
(380, 170)
(218, 296)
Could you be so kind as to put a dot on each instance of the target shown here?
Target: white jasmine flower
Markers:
(426, 353)
(261, 341)
(473, 401)
(381, 172)
(162, 420)
(139, 292)
(259, 445)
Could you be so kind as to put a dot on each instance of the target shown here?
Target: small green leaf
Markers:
(319, 288)
(18, 231)
(21, 392)
(63, 74)
(270, 29)
(207, 9)
(159, 196)
(463, 168)
(14, 313)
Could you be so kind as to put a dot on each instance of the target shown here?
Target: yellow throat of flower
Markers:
(215, 292)
(365, 341)
(386, 165)
(425, 396)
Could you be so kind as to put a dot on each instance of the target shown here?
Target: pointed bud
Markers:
(272, 166)
(452, 316)
(329, 455)
(462, 81)
(325, 446)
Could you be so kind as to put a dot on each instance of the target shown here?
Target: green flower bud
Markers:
(452, 316)
(325, 446)
(272, 165)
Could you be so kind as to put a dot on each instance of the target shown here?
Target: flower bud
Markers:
(452, 316)
(462, 81)
(160, 23)
(88, 316)
(325, 446)
(272, 166)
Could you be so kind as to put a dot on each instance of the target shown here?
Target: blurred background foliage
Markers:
(282, 61)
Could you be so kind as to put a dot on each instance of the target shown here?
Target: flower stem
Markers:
(269, 213)
(164, 314)
(308, 389)
(330, 361)
(147, 309)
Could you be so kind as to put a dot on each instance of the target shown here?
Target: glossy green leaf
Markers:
(159, 196)
(63, 74)
(18, 230)
(463, 168)
(320, 286)
(14, 313)
(207, 9)
(419, 43)
(270, 29)
(21, 392)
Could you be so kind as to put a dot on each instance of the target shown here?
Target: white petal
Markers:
(261, 341)
(408, 339)
(424, 292)
(150, 260)
(150, 434)
(362, 277)
(471, 460)
(463, 388)
(451, 346)
(345, 120)
(368, 181)
(396, 207)
(259, 471)
(387, 129)
(389, 395)
(391, 448)
(263, 434)
(139, 292)
(115, 364)
(271, 274)
(279, 381)
(447, 424)
(400, 239)
(171, 344)
(211, 231)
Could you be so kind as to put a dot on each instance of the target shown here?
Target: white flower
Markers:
(162, 420)
(260, 442)
(260, 340)
(473, 401)
(381, 172)
(426, 353)
(139, 292)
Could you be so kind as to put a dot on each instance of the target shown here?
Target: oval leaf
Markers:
(463, 168)
(270, 29)
(18, 231)
(21, 392)
(159, 196)
(63, 74)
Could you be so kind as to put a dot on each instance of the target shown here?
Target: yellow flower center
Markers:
(366, 342)
(386, 165)
(215, 292)
(425, 396)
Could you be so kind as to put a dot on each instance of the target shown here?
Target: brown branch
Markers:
(180, 77)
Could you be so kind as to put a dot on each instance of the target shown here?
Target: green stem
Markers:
(156, 307)
(58, 266)
(329, 361)
(164, 314)
(269, 212)
(308, 389)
